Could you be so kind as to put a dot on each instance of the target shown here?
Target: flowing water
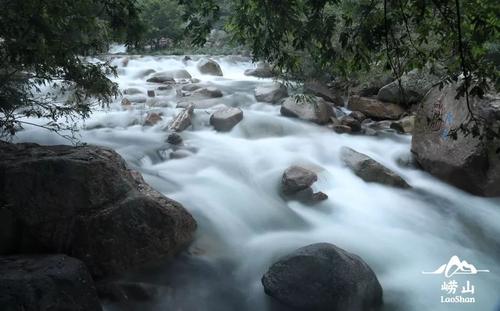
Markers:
(230, 183)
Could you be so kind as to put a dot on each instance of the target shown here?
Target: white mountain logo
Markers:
(456, 266)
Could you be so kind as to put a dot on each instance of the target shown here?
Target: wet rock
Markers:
(209, 67)
(210, 92)
(271, 93)
(223, 120)
(375, 109)
(126, 103)
(465, 162)
(84, 201)
(320, 89)
(415, 85)
(132, 91)
(341, 129)
(152, 118)
(46, 282)
(354, 124)
(404, 125)
(316, 110)
(174, 139)
(164, 88)
(137, 99)
(263, 70)
(296, 178)
(370, 170)
(183, 120)
(190, 87)
(323, 277)
(144, 73)
(151, 93)
(358, 116)
(319, 196)
(170, 76)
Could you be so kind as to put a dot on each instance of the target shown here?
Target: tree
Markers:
(43, 45)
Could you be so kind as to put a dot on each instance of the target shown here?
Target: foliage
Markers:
(42, 46)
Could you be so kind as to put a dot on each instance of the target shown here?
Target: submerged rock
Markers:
(375, 109)
(46, 282)
(323, 277)
(271, 93)
(84, 202)
(370, 170)
(466, 162)
(209, 67)
(316, 110)
(223, 120)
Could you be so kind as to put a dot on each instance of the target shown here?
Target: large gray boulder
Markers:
(271, 93)
(263, 70)
(323, 277)
(209, 67)
(370, 170)
(465, 162)
(320, 89)
(414, 85)
(223, 120)
(170, 76)
(375, 109)
(84, 202)
(46, 283)
(313, 109)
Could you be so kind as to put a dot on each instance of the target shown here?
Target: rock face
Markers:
(209, 67)
(271, 93)
(370, 170)
(317, 111)
(263, 70)
(223, 120)
(415, 85)
(84, 202)
(466, 162)
(49, 282)
(319, 89)
(169, 76)
(323, 277)
(375, 109)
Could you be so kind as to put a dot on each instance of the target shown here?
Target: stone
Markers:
(170, 76)
(209, 67)
(174, 139)
(370, 170)
(415, 84)
(466, 162)
(323, 277)
(126, 102)
(152, 118)
(46, 282)
(183, 120)
(296, 178)
(320, 89)
(271, 93)
(354, 124)
(315, 110)
(375, 109)
(263, 70)
(83, 201)
(132, 91)
(151, 93)
(373, 86)
(223, 120)
(209, 92)
(190, 87)
(404, 125)
(341, 129)
(358, 116)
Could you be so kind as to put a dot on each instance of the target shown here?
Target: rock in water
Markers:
(296, 178)
(209, 67)
(375, 109)
(467, 162)
(183, 120)
(370, 170)
(84, 202)
(319, 89)
(209, 92)
(271, 93)
(152, 118)
(174, 139)
(415, 85)
(169, 76)
(223, 120)
(46, 282)
(323, 277)
(263, 70)
(317, 110)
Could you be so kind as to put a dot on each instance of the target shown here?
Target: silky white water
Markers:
(230, 183)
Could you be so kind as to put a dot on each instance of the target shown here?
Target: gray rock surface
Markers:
(315, 110)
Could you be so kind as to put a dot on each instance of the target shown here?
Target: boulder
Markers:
(182, 120)
(170, 76)
(296, 184)
(174, 139)
(271, 93)
(404, 125)
(191, 87)
(414, 85)
(465, 162)
(323, 277)
(84, 202)
(126, 103)
(372, 86)
(223, 120)
(46, 282)
(314, 109)
(370, 170)
(209, 67)
(358, 116)
(132, 91)
(263, 70)
(152, 118)
(320, 89)
(375, 109)
(354, 124)
(210, 92)
(341, 129)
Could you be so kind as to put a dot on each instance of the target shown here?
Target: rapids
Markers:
(230, 184)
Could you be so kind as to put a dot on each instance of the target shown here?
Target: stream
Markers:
(230, 183)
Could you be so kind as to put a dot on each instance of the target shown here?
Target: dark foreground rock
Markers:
(296, 184)
(84, 202)
(467, 162)
(314, 109)
(323, 277)
(223, 120)
(370, 170)
(46, 282)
